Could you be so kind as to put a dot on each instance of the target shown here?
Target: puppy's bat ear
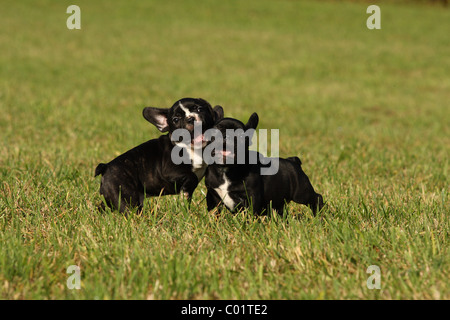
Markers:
(252, 121)
(218, 113)
(157, 117)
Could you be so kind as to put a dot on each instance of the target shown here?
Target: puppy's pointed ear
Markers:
(252, 121)
(158, 117)
(218, 113)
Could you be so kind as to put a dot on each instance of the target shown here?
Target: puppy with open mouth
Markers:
(149, 169)
(235, 179)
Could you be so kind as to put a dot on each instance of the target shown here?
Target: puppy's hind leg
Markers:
(305, 194)
(316, 203)
(311, 199)
(119, 195)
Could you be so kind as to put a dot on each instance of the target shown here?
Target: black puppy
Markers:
(242, 185)
(148, 169)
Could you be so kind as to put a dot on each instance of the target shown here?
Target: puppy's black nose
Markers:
(190, 120)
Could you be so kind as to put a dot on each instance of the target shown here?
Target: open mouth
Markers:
(198, 137)
(226, 155)
(198, 141)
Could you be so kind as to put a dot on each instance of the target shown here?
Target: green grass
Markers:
(366, 111)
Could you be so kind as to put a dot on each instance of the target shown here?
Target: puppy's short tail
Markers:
(101, 168)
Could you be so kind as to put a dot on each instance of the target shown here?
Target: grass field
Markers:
(367, 111)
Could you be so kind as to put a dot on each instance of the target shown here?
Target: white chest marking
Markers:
(196, 159)
(222, 191)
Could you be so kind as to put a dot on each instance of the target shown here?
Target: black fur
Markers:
(248, 188)
(148, 170)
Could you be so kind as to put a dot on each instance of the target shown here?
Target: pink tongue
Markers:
(198, 139)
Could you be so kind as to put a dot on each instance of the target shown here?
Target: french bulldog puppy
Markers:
(149, 169)
(240, 184)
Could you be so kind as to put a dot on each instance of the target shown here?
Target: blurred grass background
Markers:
(366, 110)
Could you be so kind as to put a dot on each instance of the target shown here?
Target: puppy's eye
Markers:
(199, 109)
(175, 120)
